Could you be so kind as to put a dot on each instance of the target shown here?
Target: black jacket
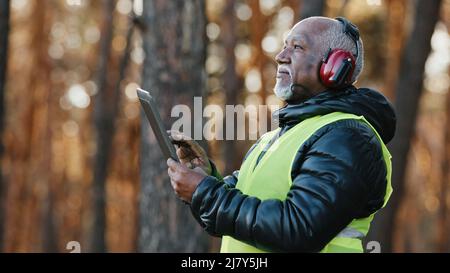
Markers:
(338, 175)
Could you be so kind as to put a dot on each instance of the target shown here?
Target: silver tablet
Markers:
(151, 111)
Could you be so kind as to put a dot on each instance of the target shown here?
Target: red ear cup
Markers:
(337, 69)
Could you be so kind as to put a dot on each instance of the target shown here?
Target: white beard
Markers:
(283, 92)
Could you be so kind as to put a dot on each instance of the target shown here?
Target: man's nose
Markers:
(283, 57)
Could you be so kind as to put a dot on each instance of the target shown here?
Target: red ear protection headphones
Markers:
(338, 65)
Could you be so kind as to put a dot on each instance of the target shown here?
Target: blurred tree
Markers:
(174, 70)
(29, 138)
(4, 32)
(231, 80)
(310, 8)
(396, 14)
(443, 235)
(40, 207)
(115, 150)
(104, 113)
(408, 91)
(49, 226)
(258, 30)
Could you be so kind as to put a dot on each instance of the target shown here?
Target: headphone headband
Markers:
(352, 31)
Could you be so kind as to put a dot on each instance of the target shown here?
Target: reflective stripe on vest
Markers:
(350, 232)
(271, 179)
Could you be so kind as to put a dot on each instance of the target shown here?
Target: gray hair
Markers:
(335, 37)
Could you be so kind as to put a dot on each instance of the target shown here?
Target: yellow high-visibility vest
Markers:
(271, 179)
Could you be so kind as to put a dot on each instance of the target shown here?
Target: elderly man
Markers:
(314, 184)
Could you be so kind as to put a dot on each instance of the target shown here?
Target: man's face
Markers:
(298, 62)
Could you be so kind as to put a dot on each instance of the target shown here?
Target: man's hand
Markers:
(184, 180)
(190, 153)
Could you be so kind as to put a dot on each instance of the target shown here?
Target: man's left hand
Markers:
(184, 180)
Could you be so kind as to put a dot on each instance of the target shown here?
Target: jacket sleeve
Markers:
(332, 182)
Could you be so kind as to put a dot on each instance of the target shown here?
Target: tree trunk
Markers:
(49, 230)
(408, 93)
(231, 81)
(259, 25)
(443, 234)
(4, 31)
(104, 124)
(310, 8)
(175, 47)
(395, 29)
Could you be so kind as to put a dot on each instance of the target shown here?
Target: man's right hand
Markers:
(190, 153)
